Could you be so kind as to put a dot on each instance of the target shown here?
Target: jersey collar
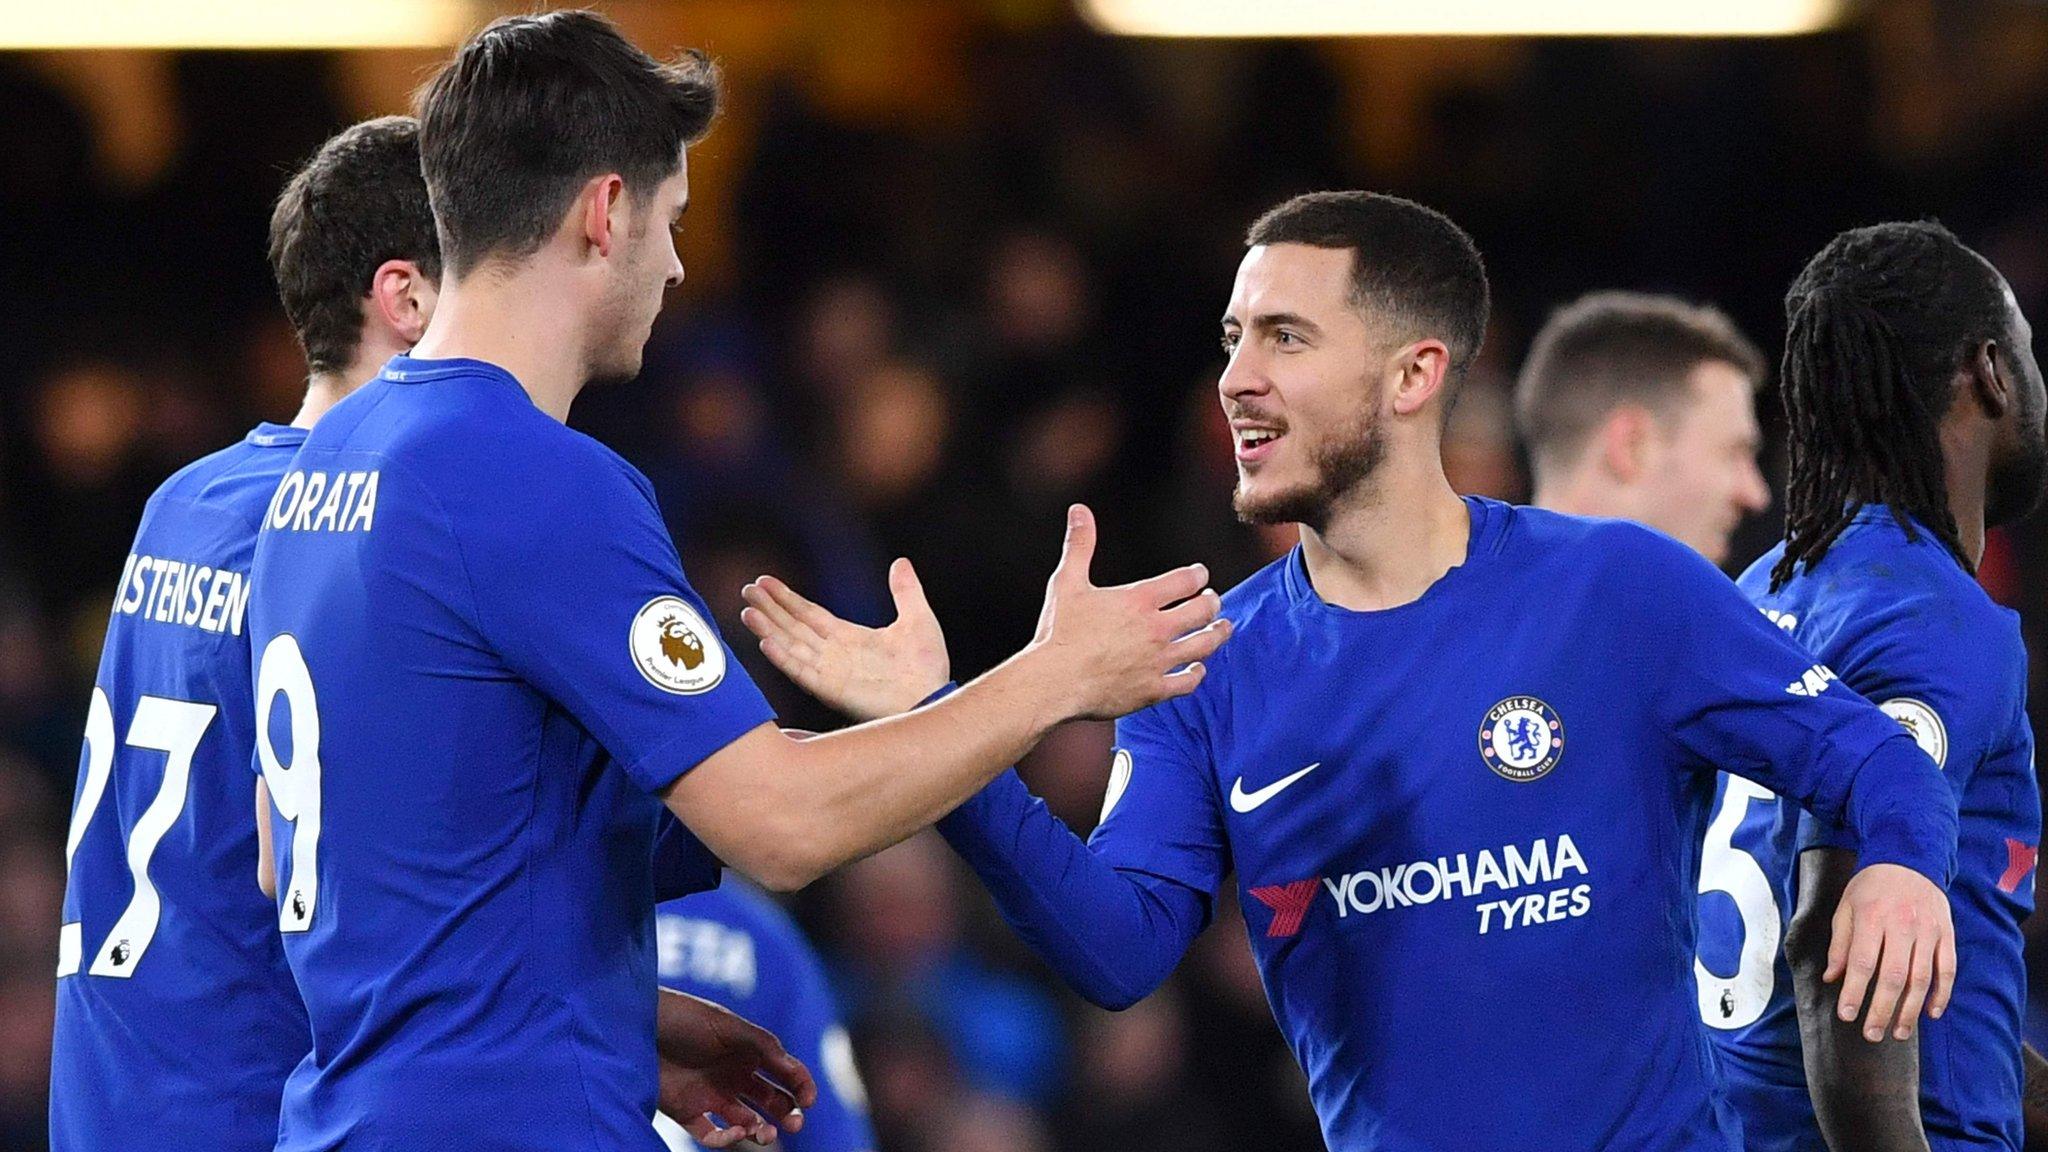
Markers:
(1488, 519)
(268, 435)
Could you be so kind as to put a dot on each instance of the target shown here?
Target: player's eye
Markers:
(1286, 338)
(1229, 342)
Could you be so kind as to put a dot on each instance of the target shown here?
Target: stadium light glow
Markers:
(234, 23)
(1462, 17)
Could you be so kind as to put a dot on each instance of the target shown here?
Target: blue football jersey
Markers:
(477, 660)
(177, 1020)
(1907, 627)
(734, 945)
(1466, 829)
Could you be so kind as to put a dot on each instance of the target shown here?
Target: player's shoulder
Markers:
(1616, 552)
(546, 457)
(1884, 578)
(467, 433)
(1755, 580)
(235, 481)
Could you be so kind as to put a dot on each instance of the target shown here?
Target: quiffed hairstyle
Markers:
(1878, 324)
(531, 108)
(357, 203)
(1409, 264)
(1610, 348)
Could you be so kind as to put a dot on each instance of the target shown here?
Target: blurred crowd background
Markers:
(951, 268)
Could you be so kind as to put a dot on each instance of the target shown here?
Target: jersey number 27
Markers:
(173, 727)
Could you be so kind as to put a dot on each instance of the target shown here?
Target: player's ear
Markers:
(1625, 442)
(403, 299)
(1424, 368)
(601, 206)
(1988, 375)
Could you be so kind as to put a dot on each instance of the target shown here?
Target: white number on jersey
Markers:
(173, 727)
(294, 787)
(1736, 1002)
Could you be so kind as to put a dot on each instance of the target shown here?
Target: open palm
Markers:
(866, 673)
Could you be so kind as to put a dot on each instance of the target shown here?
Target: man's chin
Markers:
(1285, 506)
(620, 372)
(2017, 486)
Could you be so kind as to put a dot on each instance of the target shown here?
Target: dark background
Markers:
(951, 268)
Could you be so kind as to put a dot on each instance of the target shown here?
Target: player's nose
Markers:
(1753, 494)
(1240, 378)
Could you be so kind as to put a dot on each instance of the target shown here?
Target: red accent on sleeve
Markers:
(2019, 864)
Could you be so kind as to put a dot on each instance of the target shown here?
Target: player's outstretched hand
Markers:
(1120, 649)
(717, 1063)
(866, 673)
(1893, 938)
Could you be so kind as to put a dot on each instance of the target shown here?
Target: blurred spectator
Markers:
(981, 1123)
(1237, 1054)
(31, 901)
(899, 918)
(910, 1076)
(1131, 1090)
(847, 330)
(894, 428)
(28, 1010)
(1070, 770)
(92, 472)
(1479, 444)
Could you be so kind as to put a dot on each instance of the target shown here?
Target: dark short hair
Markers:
(1409, 263)
(1876, 327)
(357, 203)
(531, 108)
(1611, 348)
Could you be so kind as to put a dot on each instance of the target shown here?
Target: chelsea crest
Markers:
(1521, 738)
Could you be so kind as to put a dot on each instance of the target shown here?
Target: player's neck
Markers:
(1966, 469)
(507, 321)
(1576, 492)
(1386, 547)
(325, 389)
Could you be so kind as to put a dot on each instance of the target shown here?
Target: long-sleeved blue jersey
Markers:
(1466, 832)
(1908, 628)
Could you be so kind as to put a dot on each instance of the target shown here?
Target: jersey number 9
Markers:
(294, 787)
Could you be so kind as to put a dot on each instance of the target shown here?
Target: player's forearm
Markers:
(806, 807)
(1111, 935)
(2034, 1097)
(1866, 1095)
(1903, 811)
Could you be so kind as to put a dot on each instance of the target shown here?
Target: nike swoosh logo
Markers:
(1243, 801)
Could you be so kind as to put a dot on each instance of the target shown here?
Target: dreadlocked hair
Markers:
(1876, 326)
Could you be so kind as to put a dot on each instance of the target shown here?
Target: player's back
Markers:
(177, 1020)
(466, 878)
(1903, 624)
(734, 945)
